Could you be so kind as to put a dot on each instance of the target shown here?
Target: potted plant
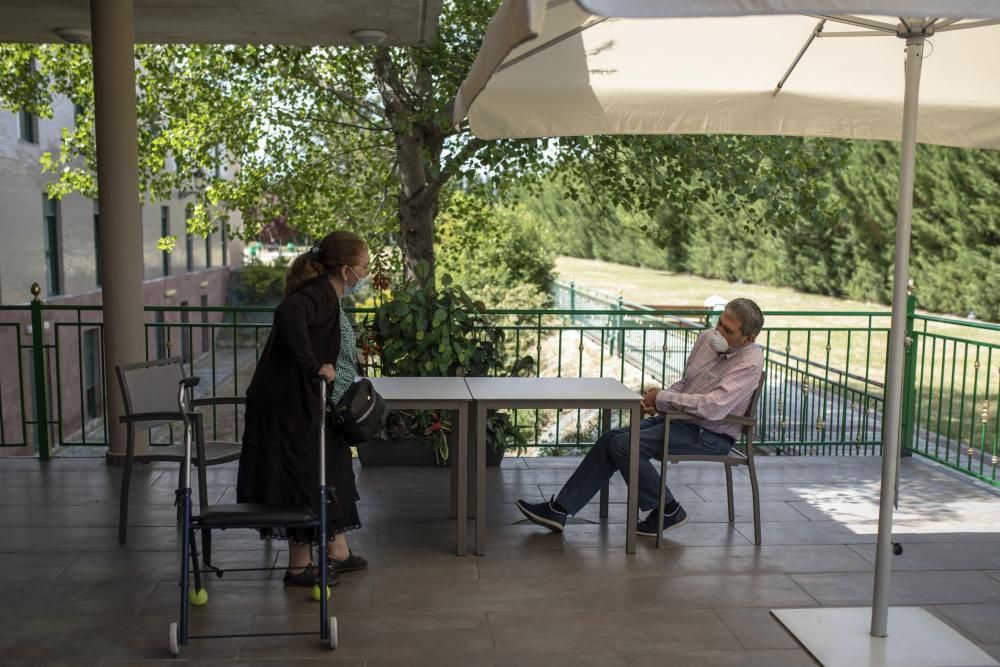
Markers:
(427, 332)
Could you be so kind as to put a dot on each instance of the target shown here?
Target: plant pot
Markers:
(403, 452)
(494, 456)
(412, 451)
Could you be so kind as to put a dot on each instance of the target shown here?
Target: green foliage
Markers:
(427, 332)
(771, 181)
(581, 230)
(499, 254)
(258, 283)
(839, 245)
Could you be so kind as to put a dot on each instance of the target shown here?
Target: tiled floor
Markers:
(71, 595)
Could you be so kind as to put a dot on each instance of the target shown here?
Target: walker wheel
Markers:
(315, 593)
(175, 647)
(897, 548)
(198, 598)
(333, 632)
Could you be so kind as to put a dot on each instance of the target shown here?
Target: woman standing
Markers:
(311, 337)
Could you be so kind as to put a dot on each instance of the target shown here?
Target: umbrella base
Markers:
(840, 637)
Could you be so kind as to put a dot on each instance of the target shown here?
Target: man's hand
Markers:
(649, 401)
(328, 372)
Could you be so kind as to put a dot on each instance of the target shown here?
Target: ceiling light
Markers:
(73, 35)
(368, 37)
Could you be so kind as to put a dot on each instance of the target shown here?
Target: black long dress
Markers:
(280, 458)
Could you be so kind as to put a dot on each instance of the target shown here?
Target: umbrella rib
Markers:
(857, 21)
(552, 42)
(856, 33)
(941, 24)
(813, 35)
(970, 24)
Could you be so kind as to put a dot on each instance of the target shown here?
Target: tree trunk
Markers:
(416, 226)
(419, 143)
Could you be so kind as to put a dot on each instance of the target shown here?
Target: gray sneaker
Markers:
(647, 526)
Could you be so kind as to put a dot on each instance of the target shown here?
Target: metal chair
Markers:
(748, 421)
(149, 391)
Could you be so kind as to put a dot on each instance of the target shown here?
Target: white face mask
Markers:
(718, 342)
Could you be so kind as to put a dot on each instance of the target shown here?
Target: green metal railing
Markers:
(824, 393)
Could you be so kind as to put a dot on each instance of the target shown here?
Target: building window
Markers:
(97, 243)
(189, 240)
(208, 251)
(165, 232)
(53, 254)
(225, 244)
(29, 127)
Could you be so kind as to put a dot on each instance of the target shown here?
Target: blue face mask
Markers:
(350, 290)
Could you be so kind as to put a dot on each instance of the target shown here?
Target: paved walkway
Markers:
(72, 595)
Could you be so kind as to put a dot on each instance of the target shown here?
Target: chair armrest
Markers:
(739, 419)
(219, 400)
(678, 415)
(150, 416)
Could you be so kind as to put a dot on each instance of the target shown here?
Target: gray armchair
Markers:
(149, 391)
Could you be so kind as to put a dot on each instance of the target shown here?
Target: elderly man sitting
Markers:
(720, 376)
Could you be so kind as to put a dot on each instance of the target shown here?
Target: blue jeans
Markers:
(610, 453)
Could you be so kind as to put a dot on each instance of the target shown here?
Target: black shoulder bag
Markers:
(359, 411)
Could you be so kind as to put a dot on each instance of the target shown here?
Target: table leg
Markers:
(632, 515)
(481, 480)
(453, 506)
(605, 488)
(460, 464)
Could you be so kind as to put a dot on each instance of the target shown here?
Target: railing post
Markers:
(621, 325)
(38, 375)
(907, 427)
(572, 297)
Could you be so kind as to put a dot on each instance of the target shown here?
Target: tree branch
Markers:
(457, 159)
(322, 119)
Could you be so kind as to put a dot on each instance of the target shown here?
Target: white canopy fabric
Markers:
(555, 68)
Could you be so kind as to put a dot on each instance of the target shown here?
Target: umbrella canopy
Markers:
(558, 70)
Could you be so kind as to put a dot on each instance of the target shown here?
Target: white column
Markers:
(118, 183)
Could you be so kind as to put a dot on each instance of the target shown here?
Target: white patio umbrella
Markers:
(850, 69)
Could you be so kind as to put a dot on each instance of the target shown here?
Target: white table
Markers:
(562, 393)
(438, 393)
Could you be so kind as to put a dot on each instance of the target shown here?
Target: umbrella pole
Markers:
(897, 336)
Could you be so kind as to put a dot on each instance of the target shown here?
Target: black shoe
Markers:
(544, 514)
(647, 526)
(350, 564)
(309, 576)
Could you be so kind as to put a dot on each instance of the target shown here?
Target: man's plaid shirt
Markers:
(715, 385)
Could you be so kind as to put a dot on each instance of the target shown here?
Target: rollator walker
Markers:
(244, 515)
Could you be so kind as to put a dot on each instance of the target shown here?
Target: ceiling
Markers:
(300, 22)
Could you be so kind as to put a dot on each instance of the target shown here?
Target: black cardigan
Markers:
(305, 335)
